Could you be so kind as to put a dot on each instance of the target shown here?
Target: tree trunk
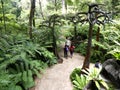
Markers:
(97, 37)
(88, 51)
(54, 41)
(75, 31)
(55, 5)
(63, 7)
(41, 9)
(32, 10)
(33, 21)
(3, 15)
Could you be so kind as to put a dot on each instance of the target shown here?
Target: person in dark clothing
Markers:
(97, 64)
(66, 48)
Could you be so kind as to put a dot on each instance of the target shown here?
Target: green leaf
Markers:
(97, 84)
(78, 79)
(76, 84)
(36, 72)
(24, 76)
(14, 87)
(69, 2)
(17, 67)
(104, 84)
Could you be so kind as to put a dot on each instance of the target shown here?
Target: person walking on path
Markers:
(68, 42)
(66, 48)
(72, 47)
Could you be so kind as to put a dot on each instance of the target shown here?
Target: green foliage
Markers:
(94, 75)
(107, 47)
(82, 34)
(82, 31)
(77, 5)
(112, 39)
(44, 36)
(52, 7)
(81, 48)
(69, 2)
(95, 43)
(97, 55)
(8, 81)
(79, 81)
(4, 79)
(23, 59)
(48, 57)
(27, 79)
(115, 52)
(74, 72)
(67, 29)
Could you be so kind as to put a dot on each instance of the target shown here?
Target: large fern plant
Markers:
(112, 40)
(23, 60)
(80, 81)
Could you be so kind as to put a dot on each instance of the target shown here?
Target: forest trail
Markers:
(57, 77)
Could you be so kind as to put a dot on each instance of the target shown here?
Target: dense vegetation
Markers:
(31, 32)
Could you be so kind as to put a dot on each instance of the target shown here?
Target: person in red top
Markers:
(71, 48)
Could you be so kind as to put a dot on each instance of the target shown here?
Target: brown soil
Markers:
(57, 77)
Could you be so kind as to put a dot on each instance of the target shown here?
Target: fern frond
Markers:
(36, 72)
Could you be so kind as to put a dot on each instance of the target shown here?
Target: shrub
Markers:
(19, 58)
(80, 81)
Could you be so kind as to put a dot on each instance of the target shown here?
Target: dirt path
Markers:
(58, 76)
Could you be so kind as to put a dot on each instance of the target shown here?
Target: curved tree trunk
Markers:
(86, 63)
(88, 51)
(31, 21)
(93, 18)
(41, 11)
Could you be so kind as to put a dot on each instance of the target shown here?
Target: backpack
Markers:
(66, 48)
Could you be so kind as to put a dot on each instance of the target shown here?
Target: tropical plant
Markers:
(93, 74)
(115, 52)
(74, 72)
(111, 40)
(80, 81)
(98, 54)
(81, 48)
(24, 60)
